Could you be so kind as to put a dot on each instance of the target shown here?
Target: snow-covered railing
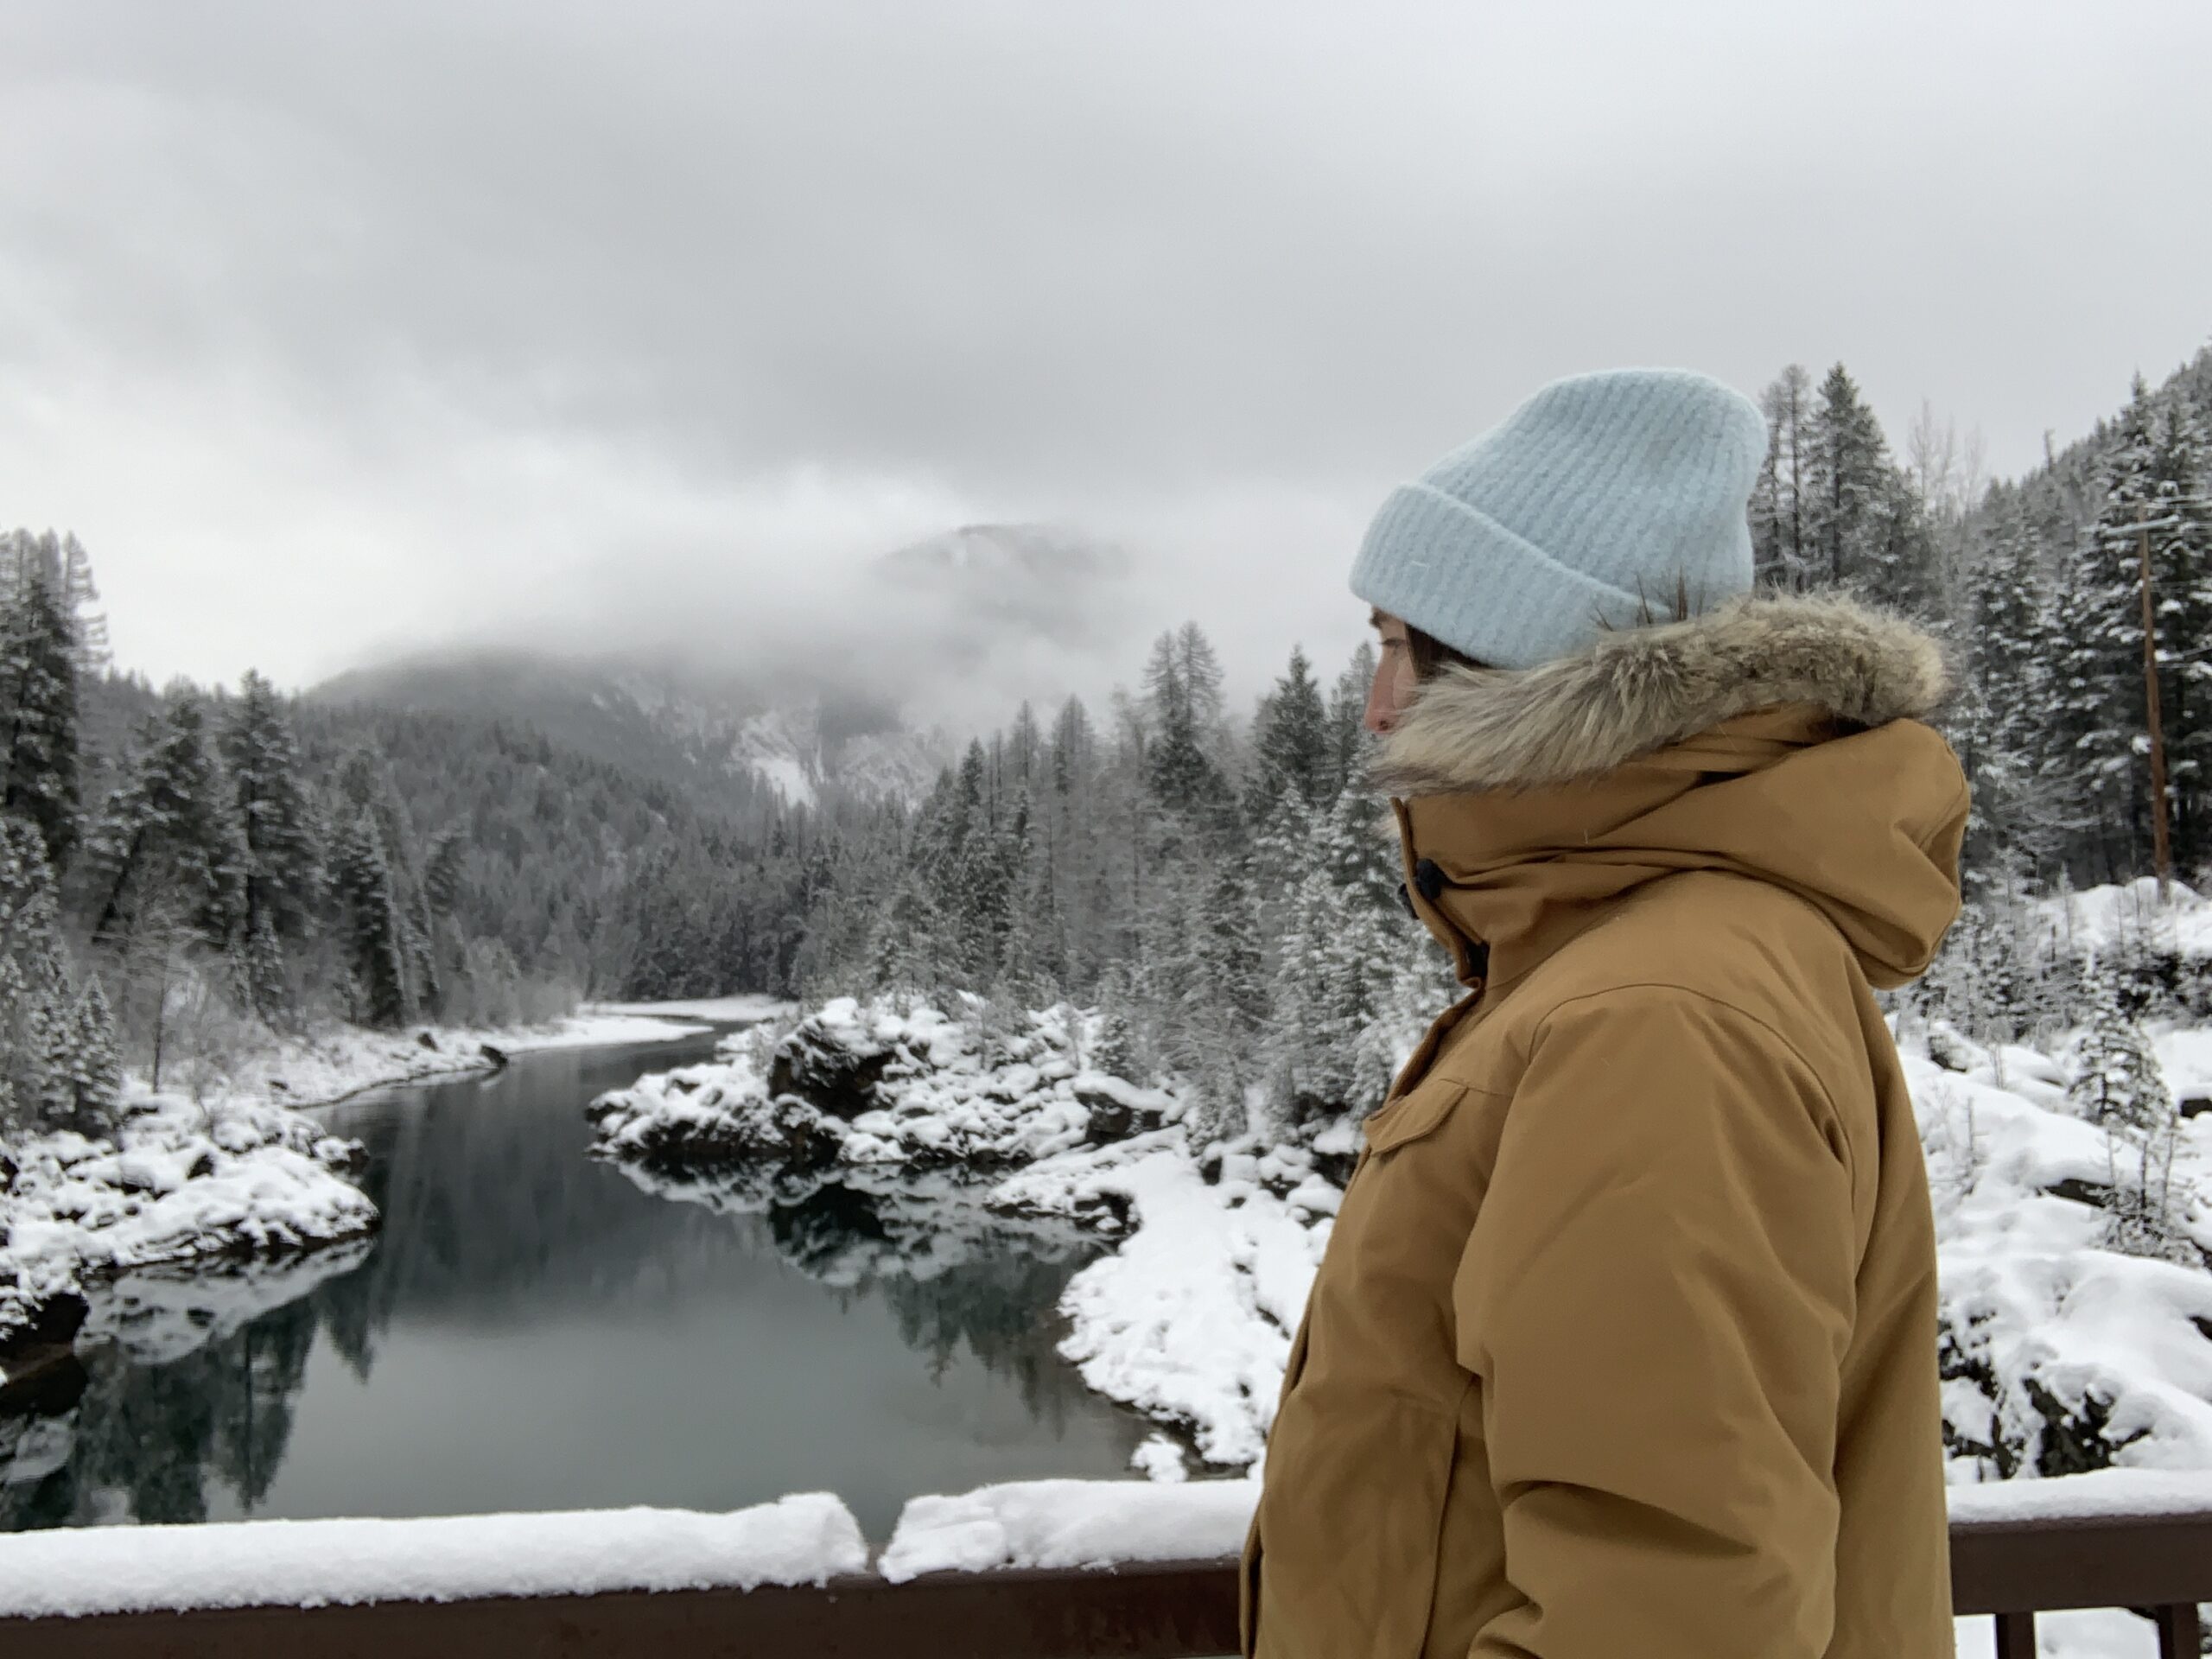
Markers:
(1017, 1572)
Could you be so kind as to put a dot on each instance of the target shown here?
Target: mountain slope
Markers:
(722, 747)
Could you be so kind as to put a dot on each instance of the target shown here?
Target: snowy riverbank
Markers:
(2061, 1354)
(174, 1183)
(320, 1067)
(237, 1172)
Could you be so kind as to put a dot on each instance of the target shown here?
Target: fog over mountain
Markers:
(952, 634)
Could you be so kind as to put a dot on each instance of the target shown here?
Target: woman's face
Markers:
(1395, 677)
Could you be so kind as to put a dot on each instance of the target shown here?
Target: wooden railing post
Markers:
(2016, 1635)
(2177, 1631)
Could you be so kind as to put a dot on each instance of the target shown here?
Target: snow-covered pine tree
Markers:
(1782, 497)
(1022, 982)
(364, 782)
(1224, 1016)
(54, 1041)
(976, 894)
(2004, 713)
(1115, 1050)
(374, 935)
(1291, 747)
(38, 706)
(2099, 706)
(1349, 743)
(1198, 666)
(1198, 809)
(2117, 1081)
(911, 957)
(169, 832)
(2181, 555)
(283, 888)
(1024, 748)
(63, 557)
(81, 596)
(1074, 749)
(1019, 969)
(1900, 560)
(284, 874)
(15, 1008)
(36, 1034)
(1848, 478)
(96, 1068)
(1337, 955)
(444, 865)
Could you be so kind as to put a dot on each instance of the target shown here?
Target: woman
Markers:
(1625, 1342)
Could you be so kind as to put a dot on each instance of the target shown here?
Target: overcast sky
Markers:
(335, 329)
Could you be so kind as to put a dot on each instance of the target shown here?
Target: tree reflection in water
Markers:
(183, 1398)
(180, 1378)
(955, 1273)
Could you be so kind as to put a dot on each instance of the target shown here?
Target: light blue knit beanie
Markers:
(1593, 506)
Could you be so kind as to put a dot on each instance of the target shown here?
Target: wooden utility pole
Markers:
(2162, 852)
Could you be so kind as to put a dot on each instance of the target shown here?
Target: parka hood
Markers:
(1643, 689)
(1776, 738)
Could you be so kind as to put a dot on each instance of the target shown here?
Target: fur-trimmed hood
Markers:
(1645, 689)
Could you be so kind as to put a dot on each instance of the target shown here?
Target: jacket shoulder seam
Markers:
(1835, 1112)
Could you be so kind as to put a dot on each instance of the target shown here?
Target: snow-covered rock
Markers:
(175, 1183)
(851, 1228)
(880, 1085)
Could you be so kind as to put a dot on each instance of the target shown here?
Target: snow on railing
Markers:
(1026, 1570)
(807, 1539)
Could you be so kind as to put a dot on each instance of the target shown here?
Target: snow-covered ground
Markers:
(176, 1182)
(2033, 1305)
(1190, 1319)
(331, 1064)
(745, 1009)
(2138, 914)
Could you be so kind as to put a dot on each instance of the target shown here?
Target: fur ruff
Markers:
(1636, 692)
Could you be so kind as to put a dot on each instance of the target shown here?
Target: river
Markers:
(533, 1330)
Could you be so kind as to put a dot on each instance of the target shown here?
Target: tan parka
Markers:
(1623, 1346)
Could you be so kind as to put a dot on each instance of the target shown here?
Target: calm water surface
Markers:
(534, 1331)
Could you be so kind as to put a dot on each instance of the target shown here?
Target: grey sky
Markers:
(336, 328)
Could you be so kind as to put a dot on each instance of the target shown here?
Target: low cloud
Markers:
(337, 332)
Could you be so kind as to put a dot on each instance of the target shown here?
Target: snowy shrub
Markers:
(2117, 1081)
(2118, 1086)
(1113, 1050)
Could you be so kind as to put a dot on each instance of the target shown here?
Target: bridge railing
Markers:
(2160, 1565)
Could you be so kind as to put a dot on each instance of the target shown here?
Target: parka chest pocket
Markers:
(1421, 1110)
(1415, 1177)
